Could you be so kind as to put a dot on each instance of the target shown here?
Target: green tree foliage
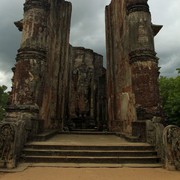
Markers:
(170, 93)
(3, 101)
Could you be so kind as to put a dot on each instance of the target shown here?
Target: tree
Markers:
(170, 93)
(3, 101)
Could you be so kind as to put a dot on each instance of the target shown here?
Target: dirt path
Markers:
(51, 173)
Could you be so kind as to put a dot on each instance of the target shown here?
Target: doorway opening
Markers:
(87, 103)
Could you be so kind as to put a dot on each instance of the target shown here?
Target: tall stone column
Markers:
(31, 57)
(121, 111)
(143, 60)
(54, 106)
(144, 64)
(132, 65)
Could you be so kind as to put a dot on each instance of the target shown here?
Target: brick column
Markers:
(144, 65)
(31, 57)
(143, 60)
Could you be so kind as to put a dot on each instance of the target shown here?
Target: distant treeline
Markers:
(170, 93)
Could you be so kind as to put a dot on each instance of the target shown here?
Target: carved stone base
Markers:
(171, 139)
(11, 164)
(15, 129)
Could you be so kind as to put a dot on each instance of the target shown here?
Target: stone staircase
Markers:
(126, 153)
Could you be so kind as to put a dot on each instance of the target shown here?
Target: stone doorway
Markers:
(88, 107)
(87, 93)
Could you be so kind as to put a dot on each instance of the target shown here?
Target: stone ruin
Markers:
(87, 97)
(57, 86)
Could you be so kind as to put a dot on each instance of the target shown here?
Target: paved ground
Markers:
(74, 139)
(53, 173)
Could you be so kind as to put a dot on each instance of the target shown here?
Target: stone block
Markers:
(139, 130)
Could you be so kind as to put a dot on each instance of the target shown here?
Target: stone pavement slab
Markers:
(56, 173)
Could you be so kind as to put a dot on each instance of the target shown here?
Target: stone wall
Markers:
(85, 96)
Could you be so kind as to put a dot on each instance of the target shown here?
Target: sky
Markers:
(88, 30)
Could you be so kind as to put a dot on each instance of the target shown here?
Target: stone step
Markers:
(45, 135)
(74, 151)
(96, 165)
(128, 146)
(83, 132)
(90, 159)
(94, 153)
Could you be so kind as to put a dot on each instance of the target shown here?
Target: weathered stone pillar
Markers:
(143, 60)
(31, 57)
(121, 111)
(54, 105)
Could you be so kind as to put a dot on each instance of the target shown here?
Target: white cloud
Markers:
(167, 42)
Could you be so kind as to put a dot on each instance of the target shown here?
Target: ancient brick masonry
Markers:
(31, 57)
(143, 60)
(132, 74)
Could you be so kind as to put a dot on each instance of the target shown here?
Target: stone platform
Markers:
(89, 150)
(77, 139)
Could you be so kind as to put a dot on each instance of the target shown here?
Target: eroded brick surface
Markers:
(132, 73)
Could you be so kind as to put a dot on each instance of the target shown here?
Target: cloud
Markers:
(88, 24)
(10, 11)
(167, 43)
